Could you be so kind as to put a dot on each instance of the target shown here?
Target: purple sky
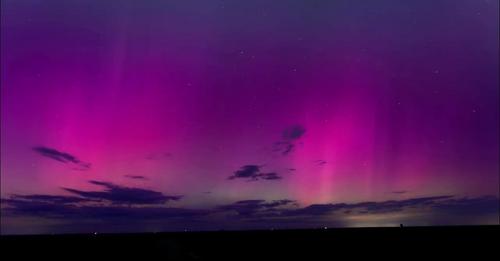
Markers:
(248, 114)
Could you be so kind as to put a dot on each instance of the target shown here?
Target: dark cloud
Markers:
(278, 208)
(248, 208)
(131, 213)
(314, 210)
(136, 177)
(289, 138)
(244, 207)
(80, 212)
(293, 133)
(469, 206)
(37, 208)
(253, 173)
(62, 157)
(399, 192)
(398, 205)
(288, 210)
(281, 202)
(366, 207)
(116, 194)
(51, 199)
(247, 171)
(255, 213)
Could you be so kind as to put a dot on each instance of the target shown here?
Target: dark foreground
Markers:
(478, 242)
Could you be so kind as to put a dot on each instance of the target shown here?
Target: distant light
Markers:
(95, 233)
(325, 227)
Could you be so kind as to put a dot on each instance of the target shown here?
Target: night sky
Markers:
(129, 116)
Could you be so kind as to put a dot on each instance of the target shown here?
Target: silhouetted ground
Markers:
(477, 242)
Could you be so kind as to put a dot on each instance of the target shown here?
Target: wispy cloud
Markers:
(269, 176)
(320, 162)
(135, 177)
(289, 138)
(62, 157)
